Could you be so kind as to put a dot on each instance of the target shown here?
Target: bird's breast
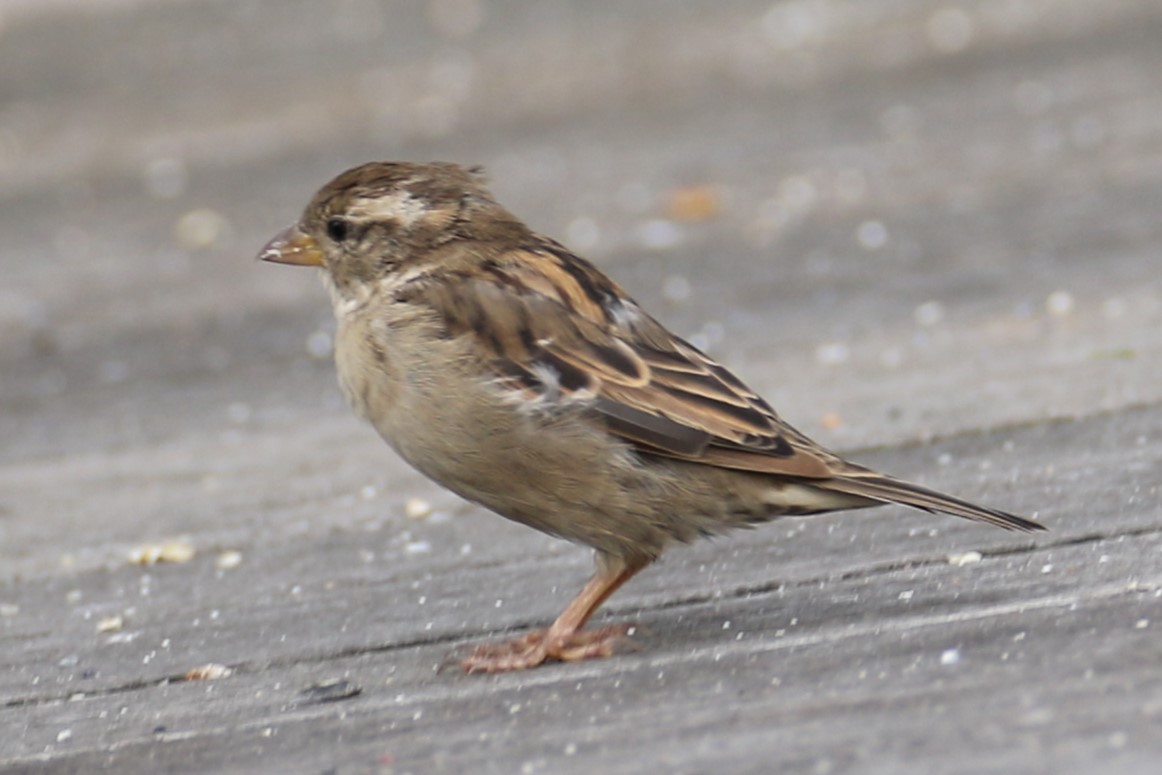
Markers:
(370, 373)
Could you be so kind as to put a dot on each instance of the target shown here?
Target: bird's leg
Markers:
(564, 640)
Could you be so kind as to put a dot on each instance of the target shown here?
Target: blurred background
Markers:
(899, 220)
(861, 207)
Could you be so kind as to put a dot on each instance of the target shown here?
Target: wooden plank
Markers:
(743, 659)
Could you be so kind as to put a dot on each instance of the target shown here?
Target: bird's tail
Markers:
(886, 489)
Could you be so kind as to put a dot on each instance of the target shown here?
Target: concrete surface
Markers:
(928, 233)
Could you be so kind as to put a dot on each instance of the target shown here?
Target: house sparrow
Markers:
(516, 374)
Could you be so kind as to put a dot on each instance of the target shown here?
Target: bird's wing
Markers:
(556, 328)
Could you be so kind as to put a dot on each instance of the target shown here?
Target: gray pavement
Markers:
(928, 233)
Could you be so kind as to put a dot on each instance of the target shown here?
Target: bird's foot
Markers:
(543, 645)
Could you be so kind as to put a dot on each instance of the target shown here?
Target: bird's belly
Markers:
(557, 471)
(560, 474)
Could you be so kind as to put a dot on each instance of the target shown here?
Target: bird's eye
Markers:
(337, 229)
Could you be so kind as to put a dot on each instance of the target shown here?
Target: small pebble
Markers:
(228, 560)
(964, 558)
(110, 624)
(201, 228)
(871, 235)
(417, 508)
(1059, 303)
(695, 203)
(329, 691)
(659, 234)
(170, 551)
(123, 637)
(208, 672)
(832, 353)
(320, 344)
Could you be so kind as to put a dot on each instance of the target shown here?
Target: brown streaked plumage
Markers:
(515, 373)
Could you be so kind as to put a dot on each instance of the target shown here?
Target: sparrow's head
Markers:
(382, 218)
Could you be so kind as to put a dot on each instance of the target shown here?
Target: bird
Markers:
(515, 373)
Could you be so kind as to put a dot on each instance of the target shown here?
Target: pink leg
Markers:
(564, 640)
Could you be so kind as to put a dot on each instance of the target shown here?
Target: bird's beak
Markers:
(292, 246)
